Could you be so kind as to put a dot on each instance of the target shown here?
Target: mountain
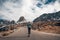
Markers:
(48, 17)
(4, 21)
(21, 19)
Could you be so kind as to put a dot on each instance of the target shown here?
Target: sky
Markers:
(30, 9)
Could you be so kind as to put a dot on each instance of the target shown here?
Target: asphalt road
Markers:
(21, 34)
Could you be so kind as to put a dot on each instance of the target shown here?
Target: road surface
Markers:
(21, 34)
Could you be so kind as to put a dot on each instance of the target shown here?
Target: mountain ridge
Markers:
(48, 17)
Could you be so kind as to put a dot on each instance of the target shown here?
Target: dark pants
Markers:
(29, 30)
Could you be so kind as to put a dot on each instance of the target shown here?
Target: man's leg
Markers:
(28, 32)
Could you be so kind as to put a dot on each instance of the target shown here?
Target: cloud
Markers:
(44, 2)
(30, 9)
(11, 9)
(46, 8)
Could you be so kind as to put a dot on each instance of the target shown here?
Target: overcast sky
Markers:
(30, 9)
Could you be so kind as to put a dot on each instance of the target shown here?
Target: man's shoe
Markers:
(29, 35)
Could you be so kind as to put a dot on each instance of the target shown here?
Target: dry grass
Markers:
(46, 27)
(10, 29)
(7, 33)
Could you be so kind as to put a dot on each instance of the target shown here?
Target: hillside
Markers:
(4, 21)
(48, 23)
(48, 17)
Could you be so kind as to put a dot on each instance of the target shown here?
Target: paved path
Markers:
(21, 34)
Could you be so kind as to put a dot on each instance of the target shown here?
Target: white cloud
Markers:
(49, 8)
(17, 10)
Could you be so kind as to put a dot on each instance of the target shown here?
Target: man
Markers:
(29, 28)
